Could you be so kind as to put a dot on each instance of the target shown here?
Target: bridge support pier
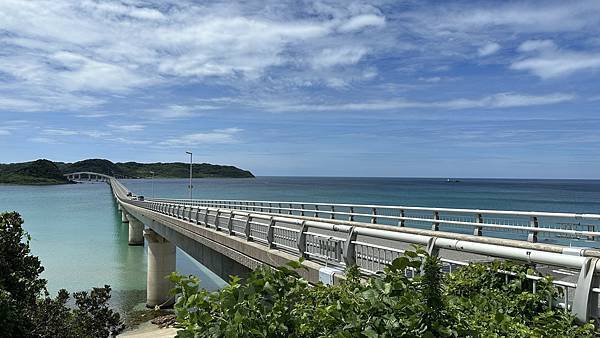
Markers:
(161, 262)
(124, 216)
(136, 231)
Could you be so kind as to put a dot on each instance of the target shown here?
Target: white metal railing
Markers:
(372, 247)
(527, 225)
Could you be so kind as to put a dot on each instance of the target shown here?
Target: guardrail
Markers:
(372, 247)
(523, 225)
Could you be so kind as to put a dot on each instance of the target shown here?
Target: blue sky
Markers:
(343, 88)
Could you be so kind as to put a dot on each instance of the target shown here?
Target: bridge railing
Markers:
(372, 248)
(303, 230)
(520, 225)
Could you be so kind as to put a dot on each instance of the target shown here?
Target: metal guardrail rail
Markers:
(527, 225)
(280, 226)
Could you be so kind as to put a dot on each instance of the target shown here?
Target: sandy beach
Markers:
(148, 329)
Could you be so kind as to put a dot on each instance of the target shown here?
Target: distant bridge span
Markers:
(234, 237)
(81, 176)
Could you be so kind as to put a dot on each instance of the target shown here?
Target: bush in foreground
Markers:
(26, 310)
(472, 302)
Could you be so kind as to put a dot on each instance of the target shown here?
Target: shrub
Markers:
(476, 301)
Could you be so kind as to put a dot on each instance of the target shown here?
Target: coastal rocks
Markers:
(164, 321)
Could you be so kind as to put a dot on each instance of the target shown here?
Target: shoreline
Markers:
(148, 329)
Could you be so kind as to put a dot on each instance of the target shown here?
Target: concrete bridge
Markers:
(83, 176)
(234, 237)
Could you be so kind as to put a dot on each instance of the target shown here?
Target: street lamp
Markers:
(190, 186)
(152, 172)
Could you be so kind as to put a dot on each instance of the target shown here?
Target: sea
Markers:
(77, 232)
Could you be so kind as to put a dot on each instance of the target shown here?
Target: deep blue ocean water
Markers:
(77, 231)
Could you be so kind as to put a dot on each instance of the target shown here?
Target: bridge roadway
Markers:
(234, 237)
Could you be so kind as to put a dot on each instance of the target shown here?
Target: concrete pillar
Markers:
(161, 262)
(124, 216)
(136, 231)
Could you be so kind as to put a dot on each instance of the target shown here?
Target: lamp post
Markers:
(152, 172)
(190, 186)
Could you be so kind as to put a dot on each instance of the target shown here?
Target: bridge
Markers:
(233, 237)
(82, 176)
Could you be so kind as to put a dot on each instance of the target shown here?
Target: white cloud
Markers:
(83, 73)
(501, 100)
(488, 49)
(60, 55)
(507, 100)
(16, 104)
(536, 45)
(30, 99)
(545, 60)
(69, 132)
(60, 132)
(127, 127)
(44, 140)
(130, 141)
(338, 57)
(362, 21)
(89, 48)
(232, 130)
(217, 136)
(11, 126)
(449, 31)
(179, 111)
(118, 9)
(525, 16)
(94, 133)
(93, 115)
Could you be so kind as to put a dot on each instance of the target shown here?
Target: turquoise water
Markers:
(77, 231)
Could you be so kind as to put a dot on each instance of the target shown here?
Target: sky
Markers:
(311, 88)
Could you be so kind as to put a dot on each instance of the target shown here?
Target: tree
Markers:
(27, 310)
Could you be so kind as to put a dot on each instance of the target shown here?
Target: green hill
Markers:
(36, 172)
(179, 170)
(48, 172)
(99, 166)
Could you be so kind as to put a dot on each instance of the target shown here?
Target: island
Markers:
(42, 171)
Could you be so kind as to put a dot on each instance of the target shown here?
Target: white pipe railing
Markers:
(531, 223)
(338, 245)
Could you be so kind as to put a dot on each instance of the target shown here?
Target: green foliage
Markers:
(36, 172)
(473, 302)
(182, 170)
(100, 166)
(47, 172)
(488, 303)
(168, 170)
(26, 310)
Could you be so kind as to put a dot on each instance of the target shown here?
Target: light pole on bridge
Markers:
(152, 172)
(191, 161)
